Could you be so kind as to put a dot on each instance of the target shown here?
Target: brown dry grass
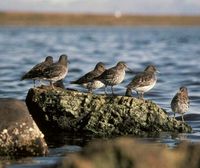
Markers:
(58, 19)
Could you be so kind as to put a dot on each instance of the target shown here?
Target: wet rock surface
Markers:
(19, 134)
(129, 153)
(73, 111)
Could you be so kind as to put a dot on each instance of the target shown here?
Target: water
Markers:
(174, 50)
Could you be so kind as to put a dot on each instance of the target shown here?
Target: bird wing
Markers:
(53, 71)
(88, 77)
(36, 71)
(142, 79)
(107, 74)
(179, 99)
(175, 99)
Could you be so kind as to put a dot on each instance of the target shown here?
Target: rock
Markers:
(100, 115)
(129, 153)
(19, 134)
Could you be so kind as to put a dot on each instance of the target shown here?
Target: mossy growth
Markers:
(99, 114)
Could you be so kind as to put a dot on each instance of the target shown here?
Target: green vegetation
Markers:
(100, 115)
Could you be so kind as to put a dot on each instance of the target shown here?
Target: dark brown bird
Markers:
(36, 72)
(180, 102)
(56, 71)
(113, 76)
(88, 81)
(143, 82)
(59, 84)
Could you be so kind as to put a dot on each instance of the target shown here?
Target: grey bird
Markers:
(57, 71)
(113, 76)
(88, 80)
(36, 72)
(143, 82)
(180, 102)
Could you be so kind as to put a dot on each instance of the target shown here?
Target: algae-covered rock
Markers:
(75, 111)
(19, 134)
(129, 153)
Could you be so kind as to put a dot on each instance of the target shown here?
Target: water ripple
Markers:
(174, 50)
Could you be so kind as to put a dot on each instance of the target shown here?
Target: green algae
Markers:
(100, 114)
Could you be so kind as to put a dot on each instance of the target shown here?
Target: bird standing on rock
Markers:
(88, 80)
(113, 76)
(57, 71)
(36, 72)
(180, 102)
(143, 82)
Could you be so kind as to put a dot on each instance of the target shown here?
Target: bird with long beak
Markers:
(143, 82)
(113, 76)
(88, 81)
(180, 102)
(36, 72)
(57, 71)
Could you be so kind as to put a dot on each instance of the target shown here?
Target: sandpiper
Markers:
(57, 71)
(36, 72)
(113, 76)
(143, 82)
(180, 102)
(88, 81)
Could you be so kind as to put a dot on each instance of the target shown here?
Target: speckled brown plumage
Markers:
(88, 81)
(57, 71)
(113, 76)
(37, 71)
(143, 81)
(180, 102)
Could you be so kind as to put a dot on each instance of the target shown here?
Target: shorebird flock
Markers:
(102, 77)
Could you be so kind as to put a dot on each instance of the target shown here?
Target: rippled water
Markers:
(174, 50)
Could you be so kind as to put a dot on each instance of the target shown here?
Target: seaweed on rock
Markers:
(100, 115)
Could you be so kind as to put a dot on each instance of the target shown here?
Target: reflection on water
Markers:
(174, 50)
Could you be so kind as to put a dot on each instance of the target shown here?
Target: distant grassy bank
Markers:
(57, 19)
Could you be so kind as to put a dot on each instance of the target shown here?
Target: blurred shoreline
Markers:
(64, 19)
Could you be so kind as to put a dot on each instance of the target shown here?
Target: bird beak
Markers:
(129, 69)
(157, 71)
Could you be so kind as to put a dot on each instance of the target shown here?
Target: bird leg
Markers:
(182, 118)
(112, 90)
(142, 96)
(105, 89)
(138, 94)
(51, 84)
(89, 90)
(41, 82)
(174, 115)
(34, 83)
(128, 92)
